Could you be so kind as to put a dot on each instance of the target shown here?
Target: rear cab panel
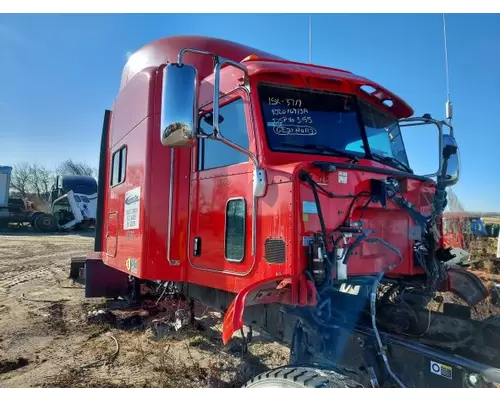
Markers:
(125, 215)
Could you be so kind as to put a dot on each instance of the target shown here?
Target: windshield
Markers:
(307, 121)
(384, 135)
(316, 122)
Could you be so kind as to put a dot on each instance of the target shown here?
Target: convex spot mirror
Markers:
(179, 105)
(451, 161)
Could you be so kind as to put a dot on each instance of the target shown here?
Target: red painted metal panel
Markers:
(178, 203)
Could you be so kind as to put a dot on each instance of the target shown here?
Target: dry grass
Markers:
(188, 359)
(483, 257)
(484, 264)
(194, 356)
(491, 220)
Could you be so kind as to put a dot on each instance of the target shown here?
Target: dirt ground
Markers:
(47, 340)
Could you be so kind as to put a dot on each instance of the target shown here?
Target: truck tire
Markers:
(46, 223)
(33, 217)
(301, 377)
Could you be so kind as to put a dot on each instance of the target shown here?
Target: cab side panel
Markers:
(127, 193)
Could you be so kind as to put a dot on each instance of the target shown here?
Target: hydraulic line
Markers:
(330, 265)
(373, 299)
(373, 306)
(403, 204)
(305, 176)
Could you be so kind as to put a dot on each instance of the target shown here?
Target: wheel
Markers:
(46, 223)
(301, 377)
(34, 216)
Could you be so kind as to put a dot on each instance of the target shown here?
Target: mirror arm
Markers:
(196, 51)
(217, 69)
(240, 149)
(450, 127)
(259, 175)
(441, 161)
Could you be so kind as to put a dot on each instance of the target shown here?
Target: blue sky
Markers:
(59, 72)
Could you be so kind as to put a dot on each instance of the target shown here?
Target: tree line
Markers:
(34, 182)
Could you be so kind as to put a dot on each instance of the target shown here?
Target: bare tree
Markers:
(20, 179)
(40, 180)
(32, 181)
(70, 167)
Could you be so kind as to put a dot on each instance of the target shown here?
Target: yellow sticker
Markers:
(305, 217)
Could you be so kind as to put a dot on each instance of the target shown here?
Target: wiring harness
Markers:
(328, 248)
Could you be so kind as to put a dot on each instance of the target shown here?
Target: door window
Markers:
(233, 126)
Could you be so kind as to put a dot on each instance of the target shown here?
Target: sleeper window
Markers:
(118, 166)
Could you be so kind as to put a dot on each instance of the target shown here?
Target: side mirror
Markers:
(451, 161)
(179, 105)
(422, 134)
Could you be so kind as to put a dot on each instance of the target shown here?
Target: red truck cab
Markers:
(232, 169)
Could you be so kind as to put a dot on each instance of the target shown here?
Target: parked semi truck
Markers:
(73, 201)
(72, 204)
(280, 193)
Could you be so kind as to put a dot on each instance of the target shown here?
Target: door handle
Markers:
(197, 246)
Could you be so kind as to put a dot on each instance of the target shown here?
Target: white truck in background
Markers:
(73, 201)
(72, 204)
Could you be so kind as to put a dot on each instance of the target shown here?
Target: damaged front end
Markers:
(362, 227)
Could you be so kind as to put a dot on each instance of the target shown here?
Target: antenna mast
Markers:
(449, 104)
(310, 39)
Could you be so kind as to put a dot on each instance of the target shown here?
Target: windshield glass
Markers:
(316, 122)
(309, 121)
(384, 135)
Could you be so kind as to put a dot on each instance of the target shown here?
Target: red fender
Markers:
(270, 290)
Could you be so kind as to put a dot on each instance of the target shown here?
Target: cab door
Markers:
(67, 205)
(221, 208)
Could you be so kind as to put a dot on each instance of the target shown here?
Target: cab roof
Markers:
(362, 87)
(166, 50)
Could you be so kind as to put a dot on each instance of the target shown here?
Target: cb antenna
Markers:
(310, 39)
(449, 104)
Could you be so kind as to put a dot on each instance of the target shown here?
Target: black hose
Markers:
(351, 206)
(329, 194)
(373, 306)
(355, 244)
(330, 266)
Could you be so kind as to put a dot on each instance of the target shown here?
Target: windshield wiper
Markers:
(324, 148)
(393, 161)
